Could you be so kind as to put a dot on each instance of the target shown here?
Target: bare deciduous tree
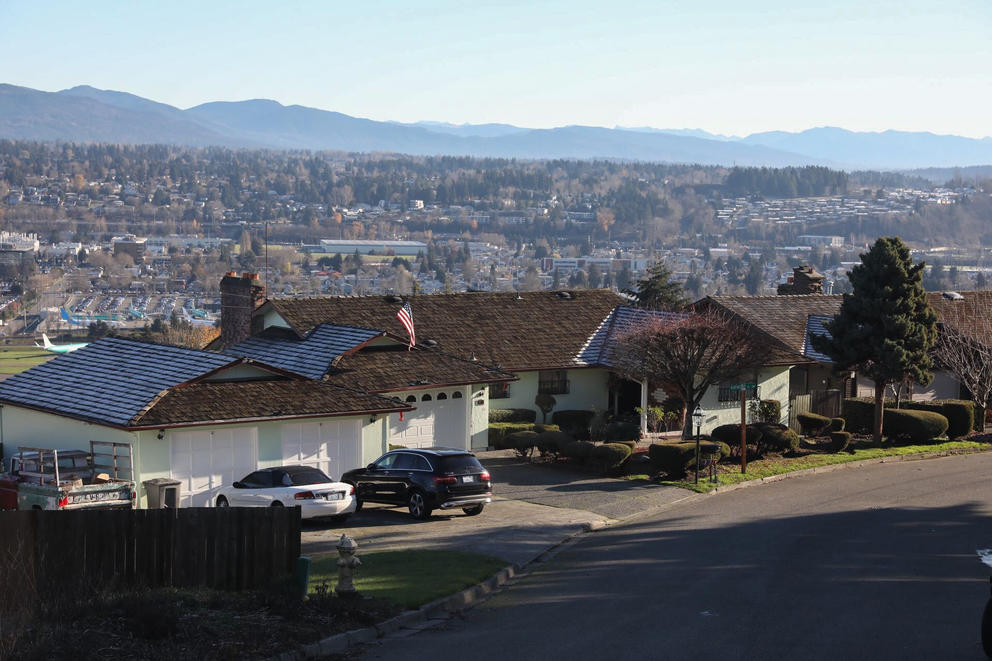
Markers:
(690, 353)
(960, 350)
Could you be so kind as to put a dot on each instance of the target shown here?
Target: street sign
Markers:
(737, 387)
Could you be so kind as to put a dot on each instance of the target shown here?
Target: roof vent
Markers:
(393, 298)
(429, 343)
(952, 296)
(564, 295)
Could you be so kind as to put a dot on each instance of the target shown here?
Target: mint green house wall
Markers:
(589, 390)
(773, 383)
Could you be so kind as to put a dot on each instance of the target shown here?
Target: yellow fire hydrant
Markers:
(348, 562)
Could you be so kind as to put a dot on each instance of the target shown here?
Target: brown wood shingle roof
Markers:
(515, 331)
(377, 370)
(215, 402)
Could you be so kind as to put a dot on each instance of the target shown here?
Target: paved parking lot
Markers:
(536, 507)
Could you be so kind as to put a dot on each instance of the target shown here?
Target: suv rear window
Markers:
(460, 463)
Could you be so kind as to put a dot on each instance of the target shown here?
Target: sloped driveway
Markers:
(536, 507)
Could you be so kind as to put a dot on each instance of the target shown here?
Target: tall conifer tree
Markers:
(885, 328)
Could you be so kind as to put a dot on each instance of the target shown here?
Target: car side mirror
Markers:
(370, 467)
(238, 485)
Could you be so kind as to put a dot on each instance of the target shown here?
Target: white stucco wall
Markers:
(943, 386)
(773, 384)
(478, 397)
(589, 390)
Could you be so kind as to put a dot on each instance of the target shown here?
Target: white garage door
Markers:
(204, 461)
(438, 420)
(334, 447)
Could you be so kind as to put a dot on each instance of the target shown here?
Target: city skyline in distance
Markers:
(717, 66)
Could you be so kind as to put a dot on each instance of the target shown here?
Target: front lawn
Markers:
(730, 473)
(409, 578)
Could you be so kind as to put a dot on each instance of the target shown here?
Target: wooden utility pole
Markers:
(743, 430)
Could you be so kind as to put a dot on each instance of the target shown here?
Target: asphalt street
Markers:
(871, 563)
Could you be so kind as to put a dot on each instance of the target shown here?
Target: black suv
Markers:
(424, 480)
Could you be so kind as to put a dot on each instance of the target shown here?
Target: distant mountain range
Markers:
(87, 114)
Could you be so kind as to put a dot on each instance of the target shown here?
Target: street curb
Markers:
(836, 467)
(339, 643)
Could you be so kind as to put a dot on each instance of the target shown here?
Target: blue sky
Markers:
(727, 67)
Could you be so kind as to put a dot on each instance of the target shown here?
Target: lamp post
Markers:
(697, 417)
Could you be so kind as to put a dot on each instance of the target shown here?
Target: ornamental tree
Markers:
(885, 328)
(657, 291)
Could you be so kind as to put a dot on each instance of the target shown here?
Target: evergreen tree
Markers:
(656, 291)
(885, 328)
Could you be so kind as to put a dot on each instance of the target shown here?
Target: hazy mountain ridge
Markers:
(87, 114)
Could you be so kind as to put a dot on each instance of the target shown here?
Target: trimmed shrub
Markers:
(553, 442)
(731, 435)
(678, 459)
(960, 414)
(621, 431)
(512, 415)
(500, 430)
(576, 423)
(839, 440)
(813, 424)
(770, 410)
(858, 414)
(916, 426)
(777, 438)
(579, 450)
(837, 424)
(522, 441)
(611, 456)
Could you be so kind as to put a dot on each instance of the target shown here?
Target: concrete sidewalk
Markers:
(537, 506)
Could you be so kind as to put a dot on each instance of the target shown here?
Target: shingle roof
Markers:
(971, 314)
(207, 402)
(517, 331)
(109, 381)
(599, 348)
(395, 368)
(311, 356)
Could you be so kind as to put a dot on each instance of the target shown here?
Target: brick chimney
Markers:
(804, 280)
(240, 295)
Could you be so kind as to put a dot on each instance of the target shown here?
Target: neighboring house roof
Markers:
(109, 381)
(970, 312)
(386, 369)
(514, 331)
(217, 402)
(783, 318)
(311, 356)
(598, 350)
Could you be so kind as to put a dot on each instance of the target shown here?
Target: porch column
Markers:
(644, 407)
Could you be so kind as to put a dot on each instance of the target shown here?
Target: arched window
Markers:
(411, 398)
(426, 398)
(441, 396)
(456, 395)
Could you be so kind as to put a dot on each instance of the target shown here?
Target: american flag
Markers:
(405, 315)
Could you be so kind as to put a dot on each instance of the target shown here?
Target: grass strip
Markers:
(17, 359)
(410, 578)
(761, 469)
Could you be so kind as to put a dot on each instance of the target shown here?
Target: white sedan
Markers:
(306, 487)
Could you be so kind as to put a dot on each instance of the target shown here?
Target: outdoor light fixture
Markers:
(697, 417)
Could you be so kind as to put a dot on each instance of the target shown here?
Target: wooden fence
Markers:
(823, 402)
(224, 548)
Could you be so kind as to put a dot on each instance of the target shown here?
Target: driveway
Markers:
(535, 508)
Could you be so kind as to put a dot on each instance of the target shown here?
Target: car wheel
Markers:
(474, 510)
(276, 503)
(418, 506)
(222, 502)
(987, 629)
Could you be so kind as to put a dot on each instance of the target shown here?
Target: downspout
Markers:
(644, 407)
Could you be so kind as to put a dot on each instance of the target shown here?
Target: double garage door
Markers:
(438, 420)
(204, 461)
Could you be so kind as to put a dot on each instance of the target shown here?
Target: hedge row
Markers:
(500, 430)
(512, 415)
(859, 412)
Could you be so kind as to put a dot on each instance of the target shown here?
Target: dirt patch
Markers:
(185, 624)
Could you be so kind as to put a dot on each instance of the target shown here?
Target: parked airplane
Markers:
(58, 348)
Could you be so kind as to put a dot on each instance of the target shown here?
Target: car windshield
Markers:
(460, 463)
(312, 476)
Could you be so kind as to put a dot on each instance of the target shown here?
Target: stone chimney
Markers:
(240, 296)
(804, 280)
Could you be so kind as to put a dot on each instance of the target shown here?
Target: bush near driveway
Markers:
(500, 430)
(512, 415)
(677, 459)
(777, 438)
(577, 423)
(917, 426)
(610, 456)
